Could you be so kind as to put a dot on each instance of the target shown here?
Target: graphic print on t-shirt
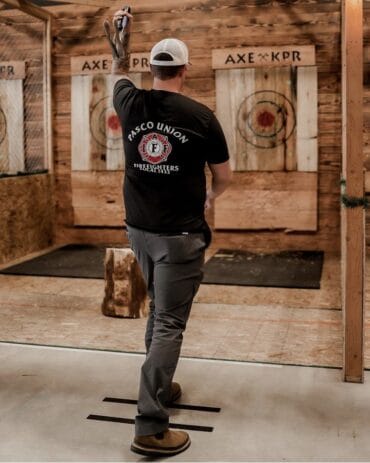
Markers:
(154, 148)
(165, 190)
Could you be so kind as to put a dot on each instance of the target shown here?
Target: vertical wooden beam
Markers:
(353, 223)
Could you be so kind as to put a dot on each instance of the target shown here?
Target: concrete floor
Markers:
(268, 412)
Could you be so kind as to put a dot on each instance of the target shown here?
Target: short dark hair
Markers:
(165, 72)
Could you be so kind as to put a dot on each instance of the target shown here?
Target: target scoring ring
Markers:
(266, 119)
(105, 126)
(3, 126)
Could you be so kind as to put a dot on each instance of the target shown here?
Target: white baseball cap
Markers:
(175, 48)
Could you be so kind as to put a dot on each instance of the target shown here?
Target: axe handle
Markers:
(122, 23)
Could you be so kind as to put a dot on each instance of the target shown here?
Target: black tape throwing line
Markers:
(115, 419)
(198, 408)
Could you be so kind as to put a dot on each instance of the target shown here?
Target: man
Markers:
(168, 139)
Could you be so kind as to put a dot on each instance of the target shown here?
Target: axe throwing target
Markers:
(97, 143)
(269, 116)
(3, 126)
(266, 119)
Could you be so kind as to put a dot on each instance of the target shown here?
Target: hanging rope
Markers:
(352, 201)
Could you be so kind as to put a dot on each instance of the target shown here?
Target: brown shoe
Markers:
(175, 393)
(164, 443)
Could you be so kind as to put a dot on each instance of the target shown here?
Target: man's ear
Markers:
(182, 71)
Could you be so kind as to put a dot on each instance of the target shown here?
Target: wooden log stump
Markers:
(125, 289)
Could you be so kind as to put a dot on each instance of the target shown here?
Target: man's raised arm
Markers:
(119, 41)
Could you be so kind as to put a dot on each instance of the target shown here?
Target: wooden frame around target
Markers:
(269, 116)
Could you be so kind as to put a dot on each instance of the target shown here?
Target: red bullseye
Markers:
(265, 119)
(113, 122)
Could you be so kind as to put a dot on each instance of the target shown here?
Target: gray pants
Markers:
(172, 268)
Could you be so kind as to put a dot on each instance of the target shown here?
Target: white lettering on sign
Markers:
(263, 56)
(102, 64)
(12, 70)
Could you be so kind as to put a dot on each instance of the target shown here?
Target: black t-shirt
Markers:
(168, 138)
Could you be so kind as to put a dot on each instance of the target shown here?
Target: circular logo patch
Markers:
(154, 148)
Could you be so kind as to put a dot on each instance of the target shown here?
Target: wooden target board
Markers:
(96, 129)
(11, 117)
(267, 104)
(269, 116)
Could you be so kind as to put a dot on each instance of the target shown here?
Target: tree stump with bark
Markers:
(125, 289)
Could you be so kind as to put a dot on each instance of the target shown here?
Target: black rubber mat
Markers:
(72, 261)
(288, 269)
(298, 269)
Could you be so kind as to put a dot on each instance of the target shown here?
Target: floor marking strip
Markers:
(199, 408)
(244, 363)
(115, 419)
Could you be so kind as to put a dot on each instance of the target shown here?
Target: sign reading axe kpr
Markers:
(252, 57)
(102, 64)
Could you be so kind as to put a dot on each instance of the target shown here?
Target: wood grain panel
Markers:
(307, 119)
(109, 216)
(367, 182)
(232, 87)
(97, 198)
(25, 228)
(279, 200)
(11, 126)
(353, 220)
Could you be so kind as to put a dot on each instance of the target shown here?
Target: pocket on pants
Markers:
(181, 248)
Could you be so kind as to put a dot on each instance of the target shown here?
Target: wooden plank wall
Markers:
(25, 228)
(268, 200)
(206, 25)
